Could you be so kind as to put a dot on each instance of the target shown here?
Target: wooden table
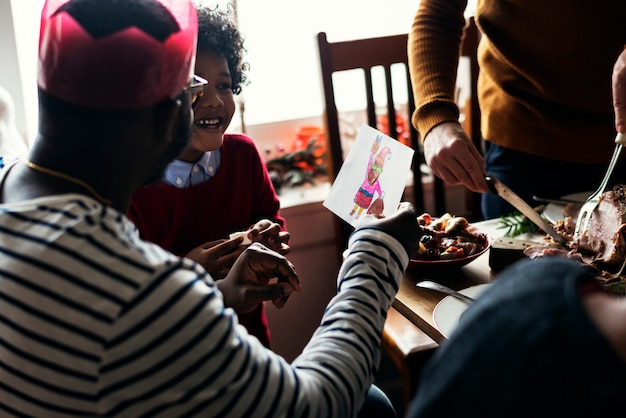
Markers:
(417, 304)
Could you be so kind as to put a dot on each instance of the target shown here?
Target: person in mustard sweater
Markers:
(548, 114)
(219, 184)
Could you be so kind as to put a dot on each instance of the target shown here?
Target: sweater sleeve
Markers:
(433, 52)
(201, 363)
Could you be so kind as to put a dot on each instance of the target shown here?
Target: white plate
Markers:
(554, 212)
(447, 313)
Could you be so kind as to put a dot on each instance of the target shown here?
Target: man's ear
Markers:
(166, 115)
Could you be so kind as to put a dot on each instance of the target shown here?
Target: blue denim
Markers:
(377, 405)
(529, 175)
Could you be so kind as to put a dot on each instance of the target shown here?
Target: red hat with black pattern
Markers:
(105, 54)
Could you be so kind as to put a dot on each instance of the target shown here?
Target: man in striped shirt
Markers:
(96, 322)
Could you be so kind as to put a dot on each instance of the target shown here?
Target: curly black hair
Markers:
(218, 34)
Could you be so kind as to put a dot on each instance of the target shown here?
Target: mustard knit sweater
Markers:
(545, 72)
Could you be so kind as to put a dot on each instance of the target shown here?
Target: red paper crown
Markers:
(126, 69)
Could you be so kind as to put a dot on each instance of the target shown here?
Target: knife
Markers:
(518, 203)
(562, 201)
(427, 284)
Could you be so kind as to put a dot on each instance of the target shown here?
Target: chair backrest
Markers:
(385, 52)
(367, 54)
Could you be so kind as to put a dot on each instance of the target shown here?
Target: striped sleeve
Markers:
(206, 366)
(152, 338)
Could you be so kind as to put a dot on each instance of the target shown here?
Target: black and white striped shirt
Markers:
(96, 322)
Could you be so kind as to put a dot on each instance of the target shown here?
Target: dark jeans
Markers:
(529, 175)
(377, 405)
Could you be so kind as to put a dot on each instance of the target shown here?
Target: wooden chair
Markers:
(384, 52)
(365, 55)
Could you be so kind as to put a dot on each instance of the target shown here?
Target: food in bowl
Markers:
(448, 238)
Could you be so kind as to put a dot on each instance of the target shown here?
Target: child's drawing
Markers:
(372, 178)
(371, 186)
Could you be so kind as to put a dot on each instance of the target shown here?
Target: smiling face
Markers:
(213, 110)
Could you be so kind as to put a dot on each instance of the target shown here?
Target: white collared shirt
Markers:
(182, 174)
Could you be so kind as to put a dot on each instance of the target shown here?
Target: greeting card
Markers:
(372, 177)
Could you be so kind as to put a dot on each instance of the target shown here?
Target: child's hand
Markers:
(217, 257)
(269, 234)
(260, 274)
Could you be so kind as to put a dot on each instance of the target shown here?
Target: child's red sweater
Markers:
(240, 194)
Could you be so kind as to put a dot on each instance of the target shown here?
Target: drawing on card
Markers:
(371, 184)
(372, 177)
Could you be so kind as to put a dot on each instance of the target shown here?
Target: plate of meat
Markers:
(602, 245)
(447, 242)
(555, 212)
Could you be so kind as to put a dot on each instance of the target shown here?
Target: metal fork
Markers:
(592, 201)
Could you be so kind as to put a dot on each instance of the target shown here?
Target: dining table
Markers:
(418, 304)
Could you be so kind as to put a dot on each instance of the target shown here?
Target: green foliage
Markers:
(516, 224)
(299, 167)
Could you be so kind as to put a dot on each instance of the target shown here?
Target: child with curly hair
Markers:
(219, 184)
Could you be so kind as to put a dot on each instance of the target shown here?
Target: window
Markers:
(281, 43)
(282, 49)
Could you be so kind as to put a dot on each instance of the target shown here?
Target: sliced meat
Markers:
(604, 243)
(603, 246)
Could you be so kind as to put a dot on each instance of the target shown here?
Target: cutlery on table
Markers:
(561, 201)
(427, 284)
(592, 202)
(518, 203)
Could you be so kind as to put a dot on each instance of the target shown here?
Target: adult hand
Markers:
(259, 274)
(453, 158)
(402, 225)
(217, 257)
(269, 234)
(619, 92)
